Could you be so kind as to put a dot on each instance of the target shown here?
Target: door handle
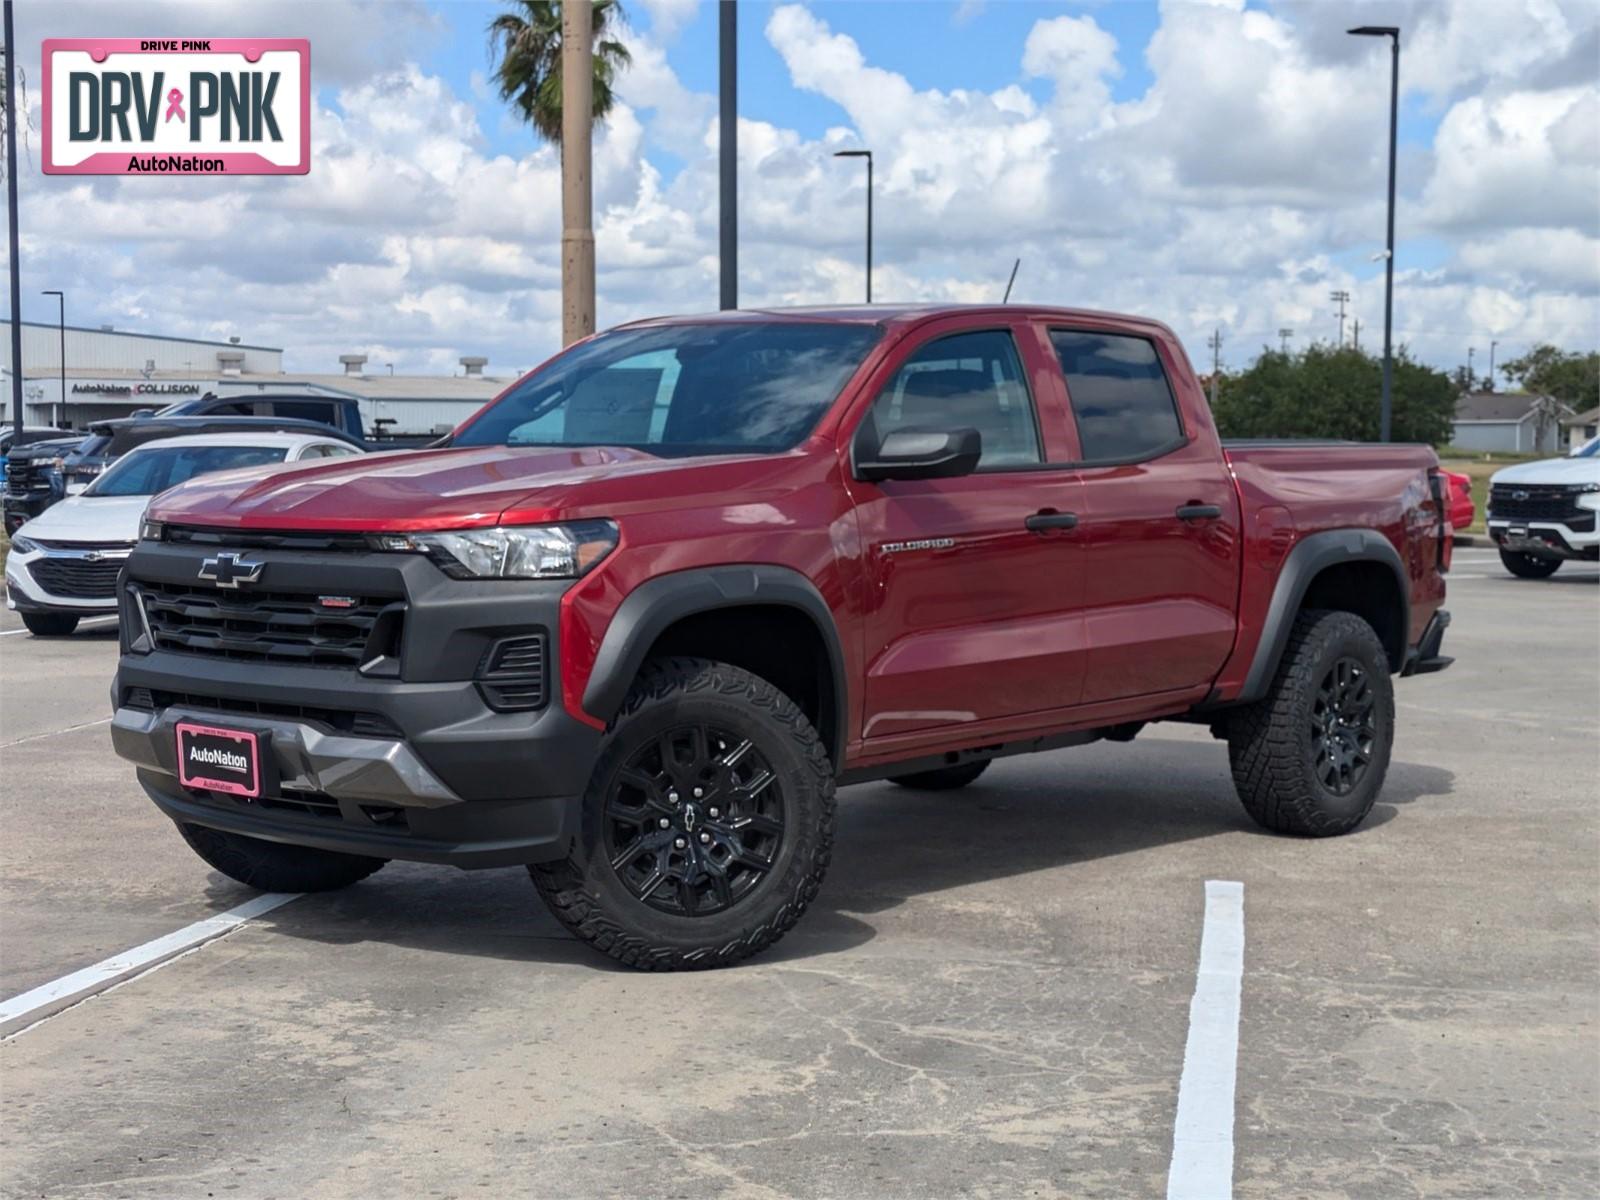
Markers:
(1199, 512)
(1040, 521)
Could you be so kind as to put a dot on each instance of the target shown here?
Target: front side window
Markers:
(1119, 395)
(729, 387)
(146, 472)
(964, 381)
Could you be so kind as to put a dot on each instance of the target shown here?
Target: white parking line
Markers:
(81, 625)
(1202, 1135)
(141, 960)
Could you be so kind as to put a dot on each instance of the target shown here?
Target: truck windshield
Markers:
(155, 470)
(714, 388)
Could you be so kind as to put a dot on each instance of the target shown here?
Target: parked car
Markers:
(10, 437)
(653, 605)
(33, 478)
(42, 479)
(343, 413)
(63, 565)
(1541, 514)
(1458, 489)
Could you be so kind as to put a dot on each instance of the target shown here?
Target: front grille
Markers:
(118, 547)
(335, 720)
(189, 535)
(1534, 502)
(318, 806)
(23, 478)
(77, 578)
(280, 627)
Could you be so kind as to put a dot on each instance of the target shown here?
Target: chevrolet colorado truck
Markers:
(650, 607)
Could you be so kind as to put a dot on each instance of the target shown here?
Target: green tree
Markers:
(1573, 379)
(527, 41)
(1332, 392)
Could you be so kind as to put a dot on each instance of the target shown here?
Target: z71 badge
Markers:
(170, 106)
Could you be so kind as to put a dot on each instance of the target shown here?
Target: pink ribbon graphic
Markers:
(174, 106)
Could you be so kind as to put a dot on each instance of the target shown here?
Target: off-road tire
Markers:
(274, 867)
(1529, 566)
(49, 624)
(1269, 746)
(942, 779)
(587, 896)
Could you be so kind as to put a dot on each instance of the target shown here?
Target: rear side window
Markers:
(966, 380)
(1119, 393)
(304, 410)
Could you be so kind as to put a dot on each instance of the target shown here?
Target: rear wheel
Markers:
(943, 779)
(707, 824)
(1529, 566)
(273, 867)
(49, 624)
(1311, 756)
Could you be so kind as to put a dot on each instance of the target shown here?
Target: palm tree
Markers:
(528, 42)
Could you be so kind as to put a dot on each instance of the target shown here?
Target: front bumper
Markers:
(1546, 539)
(408, 762)
(25, 594)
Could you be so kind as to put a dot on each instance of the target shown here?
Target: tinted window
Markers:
(729, 387)
(304, 410)
(965, 381)
(1119, 395)
(155, 470)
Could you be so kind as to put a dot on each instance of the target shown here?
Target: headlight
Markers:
(511, 551)
(23, 545)
(151, 531)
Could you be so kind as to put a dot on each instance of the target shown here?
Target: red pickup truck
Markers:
(648, 609)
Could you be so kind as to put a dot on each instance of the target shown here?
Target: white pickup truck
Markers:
(1542, 513)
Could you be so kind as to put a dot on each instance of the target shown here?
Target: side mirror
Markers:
(920, 454)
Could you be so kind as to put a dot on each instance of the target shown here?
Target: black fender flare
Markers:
(647, 611)
(1310, 556)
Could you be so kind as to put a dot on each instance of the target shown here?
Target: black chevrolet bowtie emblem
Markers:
(230, 571)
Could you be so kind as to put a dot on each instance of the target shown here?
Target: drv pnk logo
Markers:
(168, 106)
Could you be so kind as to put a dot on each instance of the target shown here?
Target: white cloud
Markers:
(1237, 190)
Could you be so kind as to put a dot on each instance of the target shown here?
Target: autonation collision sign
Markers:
(158, 106)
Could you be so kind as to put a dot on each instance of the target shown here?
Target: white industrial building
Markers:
(114, 373)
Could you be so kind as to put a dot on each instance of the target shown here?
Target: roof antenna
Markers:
(1006, 299)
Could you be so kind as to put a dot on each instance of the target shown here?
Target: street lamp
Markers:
(1392, 32)
(866, 154)
(61, 327)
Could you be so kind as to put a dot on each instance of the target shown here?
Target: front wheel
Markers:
(707, 823)
(1310, 757)
(1529, 566)
(49, 624)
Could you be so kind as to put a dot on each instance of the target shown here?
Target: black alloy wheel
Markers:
(1343, 727)
(695, 821)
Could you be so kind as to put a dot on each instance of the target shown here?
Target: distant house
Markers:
(1516, 422)
(1582, 427)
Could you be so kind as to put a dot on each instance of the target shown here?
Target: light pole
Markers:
(866, 154)
(1492, 345)
(1283, 338)
(1471, 351)
(728, 154)
(1392, 32)
(11, 219)
(1341, 298)
(61, 327)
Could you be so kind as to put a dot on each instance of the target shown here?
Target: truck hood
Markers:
(1551, 470)
(420, 490)
(89, 519)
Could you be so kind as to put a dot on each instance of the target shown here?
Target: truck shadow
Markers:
(1025, 815)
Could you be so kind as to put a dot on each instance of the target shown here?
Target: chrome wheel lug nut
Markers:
(679, 843)
(664, 823)
(713, 813)
(698, 792)
(705, 839)
(672, 797)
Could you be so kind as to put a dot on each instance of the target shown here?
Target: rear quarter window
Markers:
(1120, 396)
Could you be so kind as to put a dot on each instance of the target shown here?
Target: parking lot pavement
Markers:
(990, 998)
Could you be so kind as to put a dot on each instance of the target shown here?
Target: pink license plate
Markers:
(219, 760)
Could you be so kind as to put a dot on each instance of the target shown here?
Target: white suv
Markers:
(1543, 512)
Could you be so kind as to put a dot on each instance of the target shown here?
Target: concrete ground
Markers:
(990, 998)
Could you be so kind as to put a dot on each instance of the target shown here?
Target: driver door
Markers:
(974, 584)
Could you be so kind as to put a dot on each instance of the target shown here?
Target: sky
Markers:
(1216, 164)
